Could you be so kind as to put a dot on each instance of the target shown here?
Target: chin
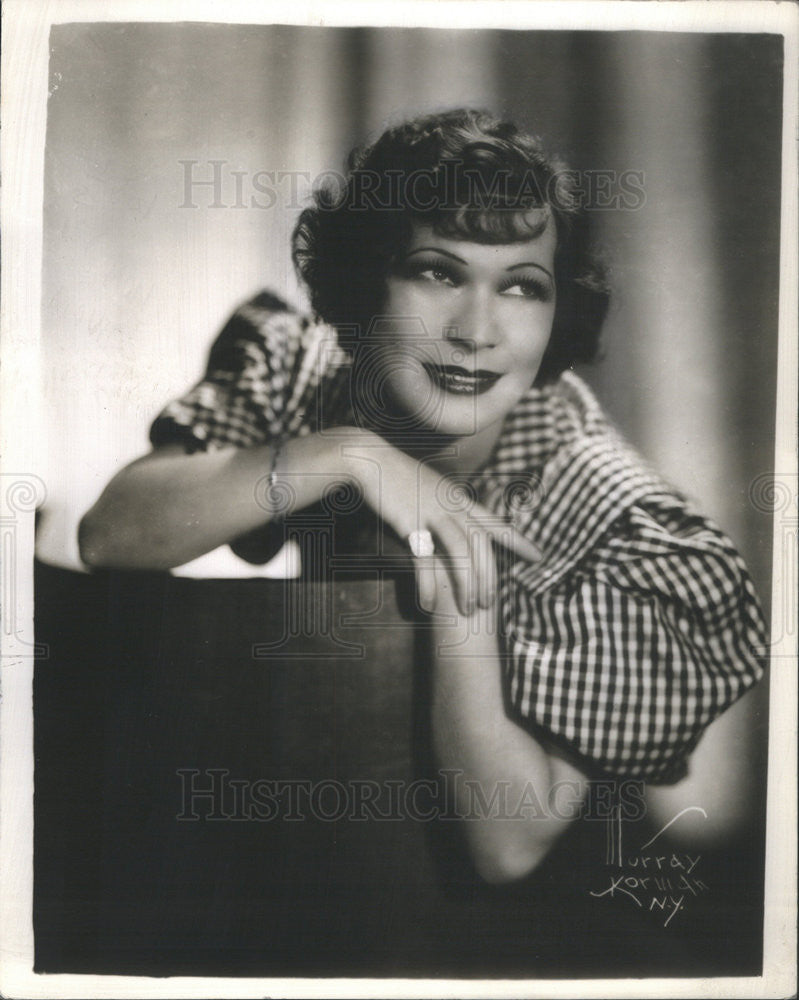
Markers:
(471, 416)
(462, 424)
(434, 411)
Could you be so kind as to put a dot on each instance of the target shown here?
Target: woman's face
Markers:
(464, 329)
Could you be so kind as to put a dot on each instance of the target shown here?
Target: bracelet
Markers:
(277, 447)
(278, 495)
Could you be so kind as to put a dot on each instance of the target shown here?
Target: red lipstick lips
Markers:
(460, 381)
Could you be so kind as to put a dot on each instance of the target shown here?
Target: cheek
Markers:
(414, 311)
(530, 339)
(400, 298)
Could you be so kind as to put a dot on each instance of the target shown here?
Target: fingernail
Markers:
(426, 602)
(487, 599)
(533, 550)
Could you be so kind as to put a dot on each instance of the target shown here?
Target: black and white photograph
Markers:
(399, 499)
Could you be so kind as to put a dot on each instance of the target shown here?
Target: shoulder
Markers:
(640, 624)
(265, 324)
(662, 549)
(557, 424)
(582, 475)
(577, 406)
(263, 371)
(600, 511)
(645, 520)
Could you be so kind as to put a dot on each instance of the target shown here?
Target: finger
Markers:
(457, 558)
(505, 533)
(509, 536)
(426, 590)
(420, 542)
(484, 567)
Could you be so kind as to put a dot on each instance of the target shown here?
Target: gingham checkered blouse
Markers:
(638, 627)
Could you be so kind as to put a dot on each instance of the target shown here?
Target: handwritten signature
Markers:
(656, 887)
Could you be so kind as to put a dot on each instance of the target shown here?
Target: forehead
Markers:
(539, 248)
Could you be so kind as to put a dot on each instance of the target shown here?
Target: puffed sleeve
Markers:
(632, 653)
(247, 395)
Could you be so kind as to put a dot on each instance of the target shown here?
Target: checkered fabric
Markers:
(638, 627)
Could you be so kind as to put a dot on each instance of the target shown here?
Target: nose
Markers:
(474, 324)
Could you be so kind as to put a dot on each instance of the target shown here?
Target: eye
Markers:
(436, 274)
(431, 271)
(527, 288)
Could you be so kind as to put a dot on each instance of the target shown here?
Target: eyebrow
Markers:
(460, 260)
(446, 253)
(531, 263)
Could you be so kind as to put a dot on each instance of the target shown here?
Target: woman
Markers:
(586, 621)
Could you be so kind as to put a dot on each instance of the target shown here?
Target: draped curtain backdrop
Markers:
(143, 264)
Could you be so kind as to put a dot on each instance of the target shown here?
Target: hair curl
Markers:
(470, 176)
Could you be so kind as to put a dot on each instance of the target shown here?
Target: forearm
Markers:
(474, 737)
(169, 508)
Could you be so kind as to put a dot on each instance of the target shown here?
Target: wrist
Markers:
(358, 453)
(306, 468)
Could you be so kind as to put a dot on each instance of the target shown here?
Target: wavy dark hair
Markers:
(469, 175)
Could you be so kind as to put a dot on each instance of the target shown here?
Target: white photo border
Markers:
(26, 26)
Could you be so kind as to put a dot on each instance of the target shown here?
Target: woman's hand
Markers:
(168, 508)
(411, 496)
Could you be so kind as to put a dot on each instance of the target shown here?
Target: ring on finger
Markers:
(421, 544)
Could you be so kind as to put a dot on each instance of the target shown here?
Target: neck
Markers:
(447, 453)
(468, 454)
